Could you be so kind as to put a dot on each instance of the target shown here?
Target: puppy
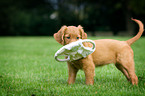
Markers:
(107, 51)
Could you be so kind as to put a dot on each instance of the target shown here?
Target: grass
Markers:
(28, 67)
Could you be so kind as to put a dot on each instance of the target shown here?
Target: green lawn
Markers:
(28, 67)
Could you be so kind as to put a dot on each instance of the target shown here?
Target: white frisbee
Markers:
(75, 50)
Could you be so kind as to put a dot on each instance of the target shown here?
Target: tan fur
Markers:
(107, 51)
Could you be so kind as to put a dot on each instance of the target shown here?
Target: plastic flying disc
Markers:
(75, 50)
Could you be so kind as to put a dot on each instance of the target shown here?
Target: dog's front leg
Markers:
(89, 70)
(89, 74)
(72, 71)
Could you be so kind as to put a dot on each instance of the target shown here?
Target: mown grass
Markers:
(28, 67)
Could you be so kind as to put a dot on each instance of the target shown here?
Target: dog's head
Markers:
(70, 34)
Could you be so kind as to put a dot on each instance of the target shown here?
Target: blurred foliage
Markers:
(45, 17)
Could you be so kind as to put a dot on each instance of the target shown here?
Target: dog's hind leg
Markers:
(120, 67)
(134, 78)
(125, 59)
(131, 71)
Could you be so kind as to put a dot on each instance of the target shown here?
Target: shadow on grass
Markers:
(141, 80)
(81, 81)
(63, 81)
(98, 80)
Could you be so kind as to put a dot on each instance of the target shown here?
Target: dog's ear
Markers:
(83, 34)
(59, 36)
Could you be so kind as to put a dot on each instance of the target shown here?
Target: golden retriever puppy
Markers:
(107, 51)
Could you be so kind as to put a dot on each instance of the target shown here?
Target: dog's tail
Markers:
(141, 29)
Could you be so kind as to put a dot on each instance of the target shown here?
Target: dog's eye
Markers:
(77, 37)
(68, 37)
